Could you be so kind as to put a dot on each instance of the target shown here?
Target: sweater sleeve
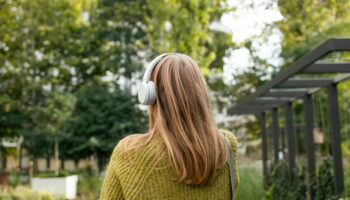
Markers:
(111, 188)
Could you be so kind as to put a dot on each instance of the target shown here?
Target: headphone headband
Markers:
(151, 66)
(147, 93)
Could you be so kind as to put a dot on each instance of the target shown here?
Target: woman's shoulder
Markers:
(132, 144)
(231, 137)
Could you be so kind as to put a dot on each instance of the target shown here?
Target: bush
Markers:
(24, 193)
(347, 182)
(5, 196)
(281, 185)
(50, 174)
(325, 183)
(15, 179)
(89, 185)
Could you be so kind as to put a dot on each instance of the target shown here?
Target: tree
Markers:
(101, 118)
(306, 24)
(52, 116)
(51, 48)
(184, 26)
(134, 30)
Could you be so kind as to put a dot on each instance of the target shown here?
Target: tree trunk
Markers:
(96, 161)
(20, 159)
(30, 170)
(35, 166)
(48, 161)
(100, 162)
(57, 164)
(4, 162)
(76, 163)
(62, 164)
(1, 167)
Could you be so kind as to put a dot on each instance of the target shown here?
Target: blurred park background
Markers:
(69, 70)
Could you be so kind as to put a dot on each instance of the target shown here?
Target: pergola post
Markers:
(290, 131)
(275, 133)
(335, 136)
(310, 148)
(283, 141)
(264, 142)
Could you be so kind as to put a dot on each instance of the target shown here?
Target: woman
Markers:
(183, 155)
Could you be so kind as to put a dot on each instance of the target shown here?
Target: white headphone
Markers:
(147, 92)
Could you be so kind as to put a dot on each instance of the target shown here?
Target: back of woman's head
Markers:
(182, 117)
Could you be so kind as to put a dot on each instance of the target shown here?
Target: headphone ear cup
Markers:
(143, 93)
(152, 93)
(147, 93)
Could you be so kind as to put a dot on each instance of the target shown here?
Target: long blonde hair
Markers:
(182, 117)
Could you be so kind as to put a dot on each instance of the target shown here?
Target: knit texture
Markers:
(146, 174)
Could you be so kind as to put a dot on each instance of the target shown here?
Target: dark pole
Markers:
(270, 146)
(275, 133)
(335, 136)
(264, 142)
(290, 131)
(283, 143)
(310, 148)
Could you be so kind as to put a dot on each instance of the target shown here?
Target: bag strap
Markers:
(231, 164)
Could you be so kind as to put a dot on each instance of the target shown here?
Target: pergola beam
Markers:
(247, 112)
(305, 83)
(286, 93)
(252, 109)
(267, 101)
(275, 98)
(328, 68)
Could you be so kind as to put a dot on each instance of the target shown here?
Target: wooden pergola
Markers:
(283, 90)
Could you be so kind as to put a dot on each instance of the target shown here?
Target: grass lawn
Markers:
(250, 182)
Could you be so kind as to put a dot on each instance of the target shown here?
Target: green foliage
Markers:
(119, 35)
(15, 179)
(62, 173)
(11, 120)
(53, 114)
(347, 181)
(89, 185)
(24, 193)
(101, 118)
(35, 42)
(305, 24)
(281, 185)
(344, 99)
(250, 183)
(50, 118)
(124, 28)
(183, 26)
(62, 45)
(325, 183)
(38, 143)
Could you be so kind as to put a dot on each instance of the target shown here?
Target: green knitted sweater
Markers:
(147, 175)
